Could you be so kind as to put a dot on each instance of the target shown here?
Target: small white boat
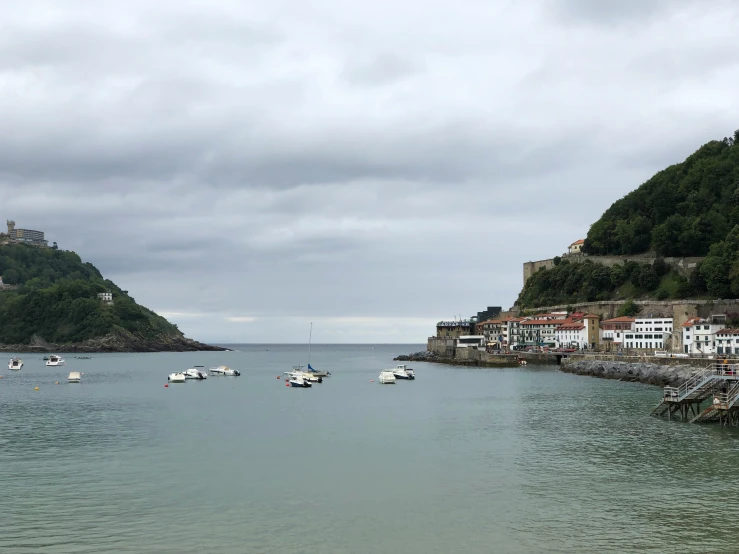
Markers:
(307, 375)
(196, 373)
(387, 377)
(402, 372)
(74, 377)
(55, 360)
(299, 382)
(224, 370)
(15, 364)
(176, 377)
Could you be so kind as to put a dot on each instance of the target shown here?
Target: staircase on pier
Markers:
(722, 407)
(710, 382)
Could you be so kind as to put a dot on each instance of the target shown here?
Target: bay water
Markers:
(460, 460)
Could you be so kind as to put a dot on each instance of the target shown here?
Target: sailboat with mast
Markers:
(310, 369)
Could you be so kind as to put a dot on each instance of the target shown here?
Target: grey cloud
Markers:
(282, 162)
(381, 69)
(614, 12)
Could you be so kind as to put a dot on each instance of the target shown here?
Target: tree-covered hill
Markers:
(688, 209)
(56, 301)
(681, 211)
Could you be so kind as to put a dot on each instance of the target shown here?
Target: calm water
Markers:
(461, 460)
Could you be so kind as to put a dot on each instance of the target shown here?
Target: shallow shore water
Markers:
(463, 459)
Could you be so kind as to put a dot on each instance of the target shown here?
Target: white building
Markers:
(106, 297)
(576, 247)
(471, 341)
(572, 335)
(727, 341)
(699, 335)
(649, 334)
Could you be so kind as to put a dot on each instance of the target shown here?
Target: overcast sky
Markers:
(244, 168)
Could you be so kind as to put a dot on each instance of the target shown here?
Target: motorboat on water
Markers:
(307, 375)
(55, 360)
(196, 372)
(177, 377)
(74, 377)
(15, 364)
(402, 372)
(299, 382)
(387, 377)
(224, 370)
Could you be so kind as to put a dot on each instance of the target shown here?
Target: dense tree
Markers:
(57, 300)
(681, 211)
(587, 282)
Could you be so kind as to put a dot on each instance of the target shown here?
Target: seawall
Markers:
(657, 371)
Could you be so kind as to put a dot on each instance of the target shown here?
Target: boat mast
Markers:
(310, 338)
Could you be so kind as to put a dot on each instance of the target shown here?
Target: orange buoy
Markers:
(287, 383)
(372, 380)
(278, 376)
(166, 385)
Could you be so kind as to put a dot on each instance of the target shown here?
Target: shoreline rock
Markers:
(640, 372)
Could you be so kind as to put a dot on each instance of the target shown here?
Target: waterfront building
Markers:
(727, 341)
(699, 334)
(592, 328)
(576, 247)
(495, 332)
(612, 331)
(514, 331)
(539, 332)
(453, 329)
(649, 334)
(572, 335)
(471, 341)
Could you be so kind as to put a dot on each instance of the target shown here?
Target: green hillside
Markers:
(56, 300)
(688, 209)
(681, 211)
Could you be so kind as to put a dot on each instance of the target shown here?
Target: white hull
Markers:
(15, 365)
(176, 378)
(55, 361)
(74, 377)
(387, 378)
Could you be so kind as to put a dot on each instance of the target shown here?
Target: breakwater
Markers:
(659, 374)
(651, 370)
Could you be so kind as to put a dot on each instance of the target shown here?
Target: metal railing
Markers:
(696, 381)
(725, 400)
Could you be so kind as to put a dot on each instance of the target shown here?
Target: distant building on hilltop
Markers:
(106, 297)
(26, 236)
(576, 247)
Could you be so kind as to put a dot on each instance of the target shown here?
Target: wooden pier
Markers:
(717, 384)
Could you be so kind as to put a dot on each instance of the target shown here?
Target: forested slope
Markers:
(56, 301)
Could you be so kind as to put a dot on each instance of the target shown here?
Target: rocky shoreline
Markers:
(116, 342)
(641, 372)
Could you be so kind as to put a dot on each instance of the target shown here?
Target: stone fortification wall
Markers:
(683, 265)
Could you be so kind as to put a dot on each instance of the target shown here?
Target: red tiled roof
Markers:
(580, 241)
(622, 319)
(571, 327)
(728, 332)
(692, 321)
